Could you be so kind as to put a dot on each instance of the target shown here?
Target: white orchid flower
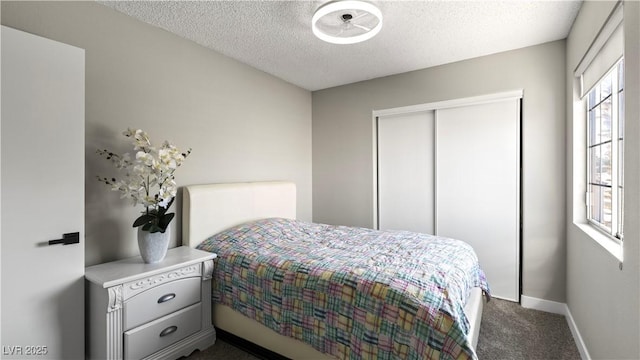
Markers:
(148, 179)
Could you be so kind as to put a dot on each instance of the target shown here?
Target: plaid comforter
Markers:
(353, 293)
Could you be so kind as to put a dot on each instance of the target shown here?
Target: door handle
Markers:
(67, 239)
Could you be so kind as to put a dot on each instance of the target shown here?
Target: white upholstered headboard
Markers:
(210, 208)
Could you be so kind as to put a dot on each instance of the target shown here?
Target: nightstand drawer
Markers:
(161, 300)
(149, 338)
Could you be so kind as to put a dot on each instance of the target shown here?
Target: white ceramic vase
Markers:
(153, 246)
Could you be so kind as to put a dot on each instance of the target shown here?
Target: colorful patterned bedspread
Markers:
(353, 293)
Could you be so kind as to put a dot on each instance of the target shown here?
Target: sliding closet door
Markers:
(477, 186)
(405, 172)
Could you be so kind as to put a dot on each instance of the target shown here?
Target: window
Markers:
(605, 144)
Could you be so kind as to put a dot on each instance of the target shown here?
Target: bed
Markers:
(236, 208)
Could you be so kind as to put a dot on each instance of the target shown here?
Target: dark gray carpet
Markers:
(508, 332)
(220, 351)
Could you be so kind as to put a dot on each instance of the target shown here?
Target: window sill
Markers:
(613, 247)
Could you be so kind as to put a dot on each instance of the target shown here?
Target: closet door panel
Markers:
(477, 186)
(405, 172)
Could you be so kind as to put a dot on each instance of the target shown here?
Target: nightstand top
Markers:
(121, 271)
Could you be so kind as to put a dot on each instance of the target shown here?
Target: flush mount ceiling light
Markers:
(346, 22)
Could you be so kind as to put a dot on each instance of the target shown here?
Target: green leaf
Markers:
(165, 220)
(143, 219)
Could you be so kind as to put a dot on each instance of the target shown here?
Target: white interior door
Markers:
(42, 140)
(405, 172)
(477, 186)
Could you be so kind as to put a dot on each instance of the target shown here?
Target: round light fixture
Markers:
(346, 22)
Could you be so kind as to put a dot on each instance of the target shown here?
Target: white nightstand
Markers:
(151, 311)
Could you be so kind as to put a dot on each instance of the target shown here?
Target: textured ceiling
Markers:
(276, 37)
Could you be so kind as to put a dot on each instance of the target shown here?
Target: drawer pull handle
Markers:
(166, 298)
(169, 330)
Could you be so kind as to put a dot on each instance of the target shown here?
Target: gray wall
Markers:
(242, 124)
(342, 146)
(604, 300)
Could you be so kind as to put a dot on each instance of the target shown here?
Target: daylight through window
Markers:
(605, 144)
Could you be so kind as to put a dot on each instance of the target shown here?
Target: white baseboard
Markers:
(562, 309)
(549, 306)
(582, 347)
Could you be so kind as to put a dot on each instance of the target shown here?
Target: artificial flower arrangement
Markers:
(148, 179)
